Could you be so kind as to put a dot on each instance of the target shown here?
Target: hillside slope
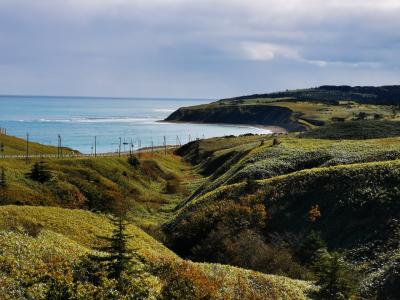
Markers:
(42, 247)
(299, 110)
(265, 193)
(17, 146)
(383, 95)
(234, 114)
(234, 159)
(152, 188)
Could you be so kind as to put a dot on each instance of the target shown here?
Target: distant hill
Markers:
(383, 95)
(299, 110)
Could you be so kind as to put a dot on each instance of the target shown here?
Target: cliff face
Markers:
(235, 114)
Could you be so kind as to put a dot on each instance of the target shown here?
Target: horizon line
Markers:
(105, 97)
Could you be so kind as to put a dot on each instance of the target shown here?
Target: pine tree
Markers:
(2, 148)
(39, 172)
(117, 262)
(336, 279)
(133, 161)
(118, 258)
(3, 179)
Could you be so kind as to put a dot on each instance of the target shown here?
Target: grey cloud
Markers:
(177, 48)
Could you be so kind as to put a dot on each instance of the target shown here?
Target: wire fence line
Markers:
(121, 146)
(79, 155)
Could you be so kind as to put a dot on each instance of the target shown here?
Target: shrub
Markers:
(251, 185)
(182, 280)
(389, 288)
(309, 247)
(39, 172)
(248, 250)
(275, 142)
(335, 278)
(314, 213)
(133, 161)
(31, 228)
(173, 186)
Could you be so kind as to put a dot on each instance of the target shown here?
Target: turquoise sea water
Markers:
(78, 120)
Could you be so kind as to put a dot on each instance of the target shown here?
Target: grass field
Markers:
(153, 189)
(15, 146)
(231, 160)
(353, 182)
(41, 246)
(299, 110)
(221, 200)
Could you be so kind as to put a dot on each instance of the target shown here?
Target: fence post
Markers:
(27, 147)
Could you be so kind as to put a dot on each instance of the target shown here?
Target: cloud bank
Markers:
(195, 48)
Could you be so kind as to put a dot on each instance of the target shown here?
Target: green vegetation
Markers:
(3, 178)
(303, 187)
(238, 114)
(15, 146)
(45, 248)
(102, 184)
(39, 172)
(384, 95)
(231, 160)
(299, 110)
(336, 279)
(356, 130)
(317, 211)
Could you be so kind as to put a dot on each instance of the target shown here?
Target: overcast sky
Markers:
(198, 49)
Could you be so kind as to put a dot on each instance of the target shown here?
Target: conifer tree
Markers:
(118, 261)
(2, 148)
(39, 172)
(118, 256)
(3, 179)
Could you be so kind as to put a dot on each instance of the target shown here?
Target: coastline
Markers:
(273, 128)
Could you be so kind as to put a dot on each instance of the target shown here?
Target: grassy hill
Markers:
(152, 189)
(260, 192)
(240, 207)
(356, 130)
(384, 95)
(299, 110)
(15, 146)
(234, 159)
(42, 249)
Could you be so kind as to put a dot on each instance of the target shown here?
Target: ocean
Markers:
(78, 120)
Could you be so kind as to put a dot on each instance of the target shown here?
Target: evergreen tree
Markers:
(336, 279)
(118, 258)
(2, 148)
(251, 185)
(118, 263)
(133, 161)
(3, 179)
(39, 172)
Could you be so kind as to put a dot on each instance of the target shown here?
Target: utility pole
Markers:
(139, 147)
(59, 146)
(178, 141)
(152, 146)
(27, 146)
(119, 148)
(165, 146)
(95, 146)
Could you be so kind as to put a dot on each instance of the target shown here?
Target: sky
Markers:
(195, 48)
